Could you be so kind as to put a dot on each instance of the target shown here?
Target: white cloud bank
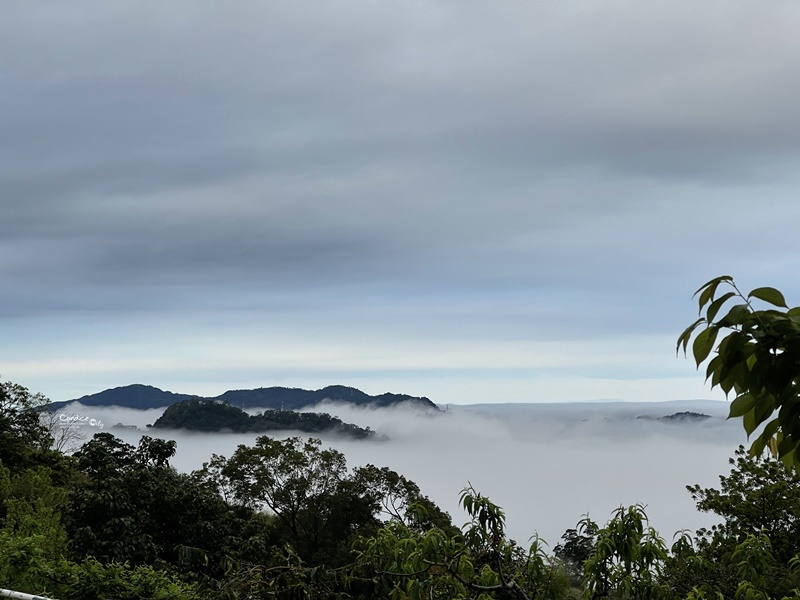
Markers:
(546, 465)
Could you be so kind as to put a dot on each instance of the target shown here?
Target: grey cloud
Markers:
(576, 91)
(434, 148)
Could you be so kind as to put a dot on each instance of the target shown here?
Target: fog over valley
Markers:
(545, 464)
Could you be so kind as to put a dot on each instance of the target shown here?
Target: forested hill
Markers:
(211, 415)
(145, 396)
(130, 396)
(295, 398)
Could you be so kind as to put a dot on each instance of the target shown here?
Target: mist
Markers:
(545, 464)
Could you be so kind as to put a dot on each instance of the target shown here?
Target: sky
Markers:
(470, 201)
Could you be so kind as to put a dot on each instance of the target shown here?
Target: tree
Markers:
(760, 495)
(409, 564)
(318, 506)
(23, 439)
(67, 436)
(759, 502)
(131, 505)
(400, 498)
(758, 360)
(200, 414)
(576, 547)
(31, 507)
(627, 559)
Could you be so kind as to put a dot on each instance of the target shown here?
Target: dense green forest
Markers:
(288, 519)
(199, 414)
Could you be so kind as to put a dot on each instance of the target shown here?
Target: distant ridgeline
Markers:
(680, 417)
(144, 396)
(200, 414)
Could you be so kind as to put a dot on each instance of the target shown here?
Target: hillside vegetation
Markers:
(198, 414)
(289, 519)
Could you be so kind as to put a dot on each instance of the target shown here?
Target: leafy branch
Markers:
(757, 360)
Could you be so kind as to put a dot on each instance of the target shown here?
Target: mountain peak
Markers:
(141, 396)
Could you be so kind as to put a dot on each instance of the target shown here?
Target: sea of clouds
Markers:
(545, 464)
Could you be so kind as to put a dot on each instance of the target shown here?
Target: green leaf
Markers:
(789, 411)
(741, 405)
(789, 459)
(761, 442)
(704, 343)
(730, 377)
(714, 282)
(714, 366)
(717, 304)
(716, 378)
(785, 326)
(736, 316)
(764, 409)
(768, 294)
(786, 446)
(686, 335)
(707, 295)
(749, 422)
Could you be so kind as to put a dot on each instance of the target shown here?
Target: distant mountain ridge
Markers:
(683, 417)
(143, 397)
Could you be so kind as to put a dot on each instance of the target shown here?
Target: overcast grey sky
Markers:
(472, 201)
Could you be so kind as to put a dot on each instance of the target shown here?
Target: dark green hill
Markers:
(679, 417)
(206, 415)
(296, 398)
(145, 396)
(682, 417)
(129, 396)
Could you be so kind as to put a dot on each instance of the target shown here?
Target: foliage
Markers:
(758, 496)
(308, 422)
(400, 499)
(627, 558)
(288, 519)
(34, 542)
(199, 414)
(577, 547)
(133, 507)
(404, 563)
(23, 439)
(285, 575)
(319, 507)
(25, 566)
(755, 574)
(67, 437)
(31, 506)
(203, 415)
(758, 359)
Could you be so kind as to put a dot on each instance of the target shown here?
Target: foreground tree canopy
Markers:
(755, 355)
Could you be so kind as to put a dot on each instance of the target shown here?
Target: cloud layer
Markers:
(546, 465)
